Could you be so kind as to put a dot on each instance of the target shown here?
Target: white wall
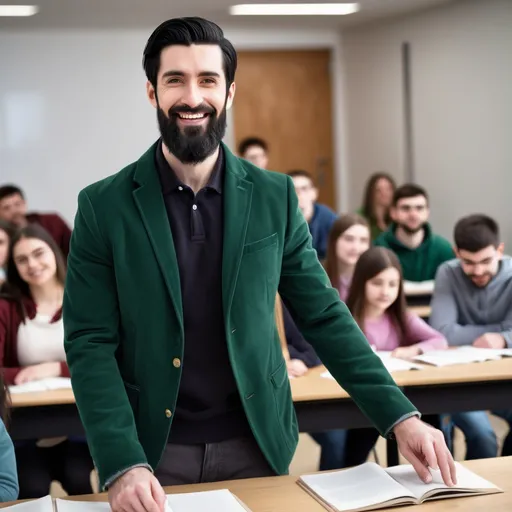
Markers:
(73, 107)
(462, 107)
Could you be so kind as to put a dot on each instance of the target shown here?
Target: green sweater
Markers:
(418, 264)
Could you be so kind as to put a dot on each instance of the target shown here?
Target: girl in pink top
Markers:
(348, 239)
(377, 302)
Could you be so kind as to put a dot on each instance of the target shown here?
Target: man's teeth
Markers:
(191, 116)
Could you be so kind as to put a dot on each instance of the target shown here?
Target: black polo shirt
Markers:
(209, 408)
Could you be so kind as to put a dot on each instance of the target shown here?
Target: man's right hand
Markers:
(137, 491)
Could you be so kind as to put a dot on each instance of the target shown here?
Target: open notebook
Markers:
(462, 355)
(370, 487)
(42, 385)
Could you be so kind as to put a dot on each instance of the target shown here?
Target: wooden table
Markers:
(422, 311)
(282, 494)
(320, 403)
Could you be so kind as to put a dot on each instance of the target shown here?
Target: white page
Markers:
(419, 288)
(487, 352)
(211, 501)
(466, 480)
(456, 356)
(363, 486)
(40, 505)
(38, 386)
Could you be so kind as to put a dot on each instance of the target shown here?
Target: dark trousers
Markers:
(68, 462)
(216, 462)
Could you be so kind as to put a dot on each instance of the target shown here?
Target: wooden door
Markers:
(284, 97)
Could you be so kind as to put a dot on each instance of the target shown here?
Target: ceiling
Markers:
(122, 14)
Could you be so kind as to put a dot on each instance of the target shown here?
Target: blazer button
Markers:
(168, 413)
(176, 362)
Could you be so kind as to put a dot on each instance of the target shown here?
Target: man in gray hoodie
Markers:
(472, 305)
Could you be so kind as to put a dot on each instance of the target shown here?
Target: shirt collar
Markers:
(170, 182)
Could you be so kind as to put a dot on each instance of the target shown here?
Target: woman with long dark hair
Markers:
(31, 349)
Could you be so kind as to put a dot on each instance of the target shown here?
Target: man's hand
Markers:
(296, 368)
(406, 352)
(424, 447)
(490, 340)
(137, 491)
(37, 372)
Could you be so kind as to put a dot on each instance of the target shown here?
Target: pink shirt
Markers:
(344, 287)
(382, 334)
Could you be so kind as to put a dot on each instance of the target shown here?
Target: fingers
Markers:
(158, 494)
(445, 461)
(145, 496)
(419, 466)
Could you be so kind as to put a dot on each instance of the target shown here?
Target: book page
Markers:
(38, 386)
(40, 505)
(487, 352)
(352, 489)
(212, 501)
(462, 355)
(467, 481)
(418, 288)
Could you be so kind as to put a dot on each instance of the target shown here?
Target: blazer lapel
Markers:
(237, 207)
(150, 203)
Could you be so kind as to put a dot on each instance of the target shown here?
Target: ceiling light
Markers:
(293, 9)
(18, 10)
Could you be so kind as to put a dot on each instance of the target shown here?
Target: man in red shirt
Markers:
(13, 209)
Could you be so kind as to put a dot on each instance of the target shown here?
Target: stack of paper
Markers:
(347, 490)
(41, 505)
(212, 501)
(418, 288)
(42, 385)
(460, 355)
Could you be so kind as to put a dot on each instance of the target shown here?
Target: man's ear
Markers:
(231, 96)
(392, 213)
(500, 249)
(151, 92)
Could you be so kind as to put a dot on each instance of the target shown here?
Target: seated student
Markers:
(472, 305)
(378, 196)
(8, 477)
(377, 302)
(6, 233)
(302, 357)
(32, 348)
(255, 150)
(319, 217)
(348, 239)
(410, 236)
(13, 209)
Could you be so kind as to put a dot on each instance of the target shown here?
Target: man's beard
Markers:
(411, 231)
(193, 144)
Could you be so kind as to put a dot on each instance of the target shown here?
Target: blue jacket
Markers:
(319, 227)
(8, 474)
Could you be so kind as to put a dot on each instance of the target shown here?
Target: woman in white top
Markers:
(32, 348)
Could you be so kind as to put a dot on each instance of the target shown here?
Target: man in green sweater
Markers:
(410, 236)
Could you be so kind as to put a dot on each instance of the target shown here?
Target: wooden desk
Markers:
(282, 494)
(44, 398)
(421, 311)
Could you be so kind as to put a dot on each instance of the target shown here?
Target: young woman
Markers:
(6, 233)
(32, 348)
(377, 302)
(348, 239)
(8, 477)
(378, 197)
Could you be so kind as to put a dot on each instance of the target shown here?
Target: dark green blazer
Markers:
(124, 323)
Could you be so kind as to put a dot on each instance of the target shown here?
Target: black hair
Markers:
(185, 32)
(301, 173)
(407, 191)
(248, 142)
(10, 190)
(476, 232)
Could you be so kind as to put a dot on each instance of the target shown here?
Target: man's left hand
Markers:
(490, 340)
(424, 447)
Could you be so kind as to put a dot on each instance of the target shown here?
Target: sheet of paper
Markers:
(419, 288)
(40, 505)
(212, 501)
(487, 352)
(462, 355)
(42, 385)
(466, 479)
(350, 489)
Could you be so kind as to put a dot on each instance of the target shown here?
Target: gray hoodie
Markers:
(462, 312)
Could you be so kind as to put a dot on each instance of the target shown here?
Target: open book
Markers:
(462, 355)
(42, 385)
(370, 487)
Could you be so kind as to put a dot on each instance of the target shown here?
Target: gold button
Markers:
(176, 362)
(168, 413)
